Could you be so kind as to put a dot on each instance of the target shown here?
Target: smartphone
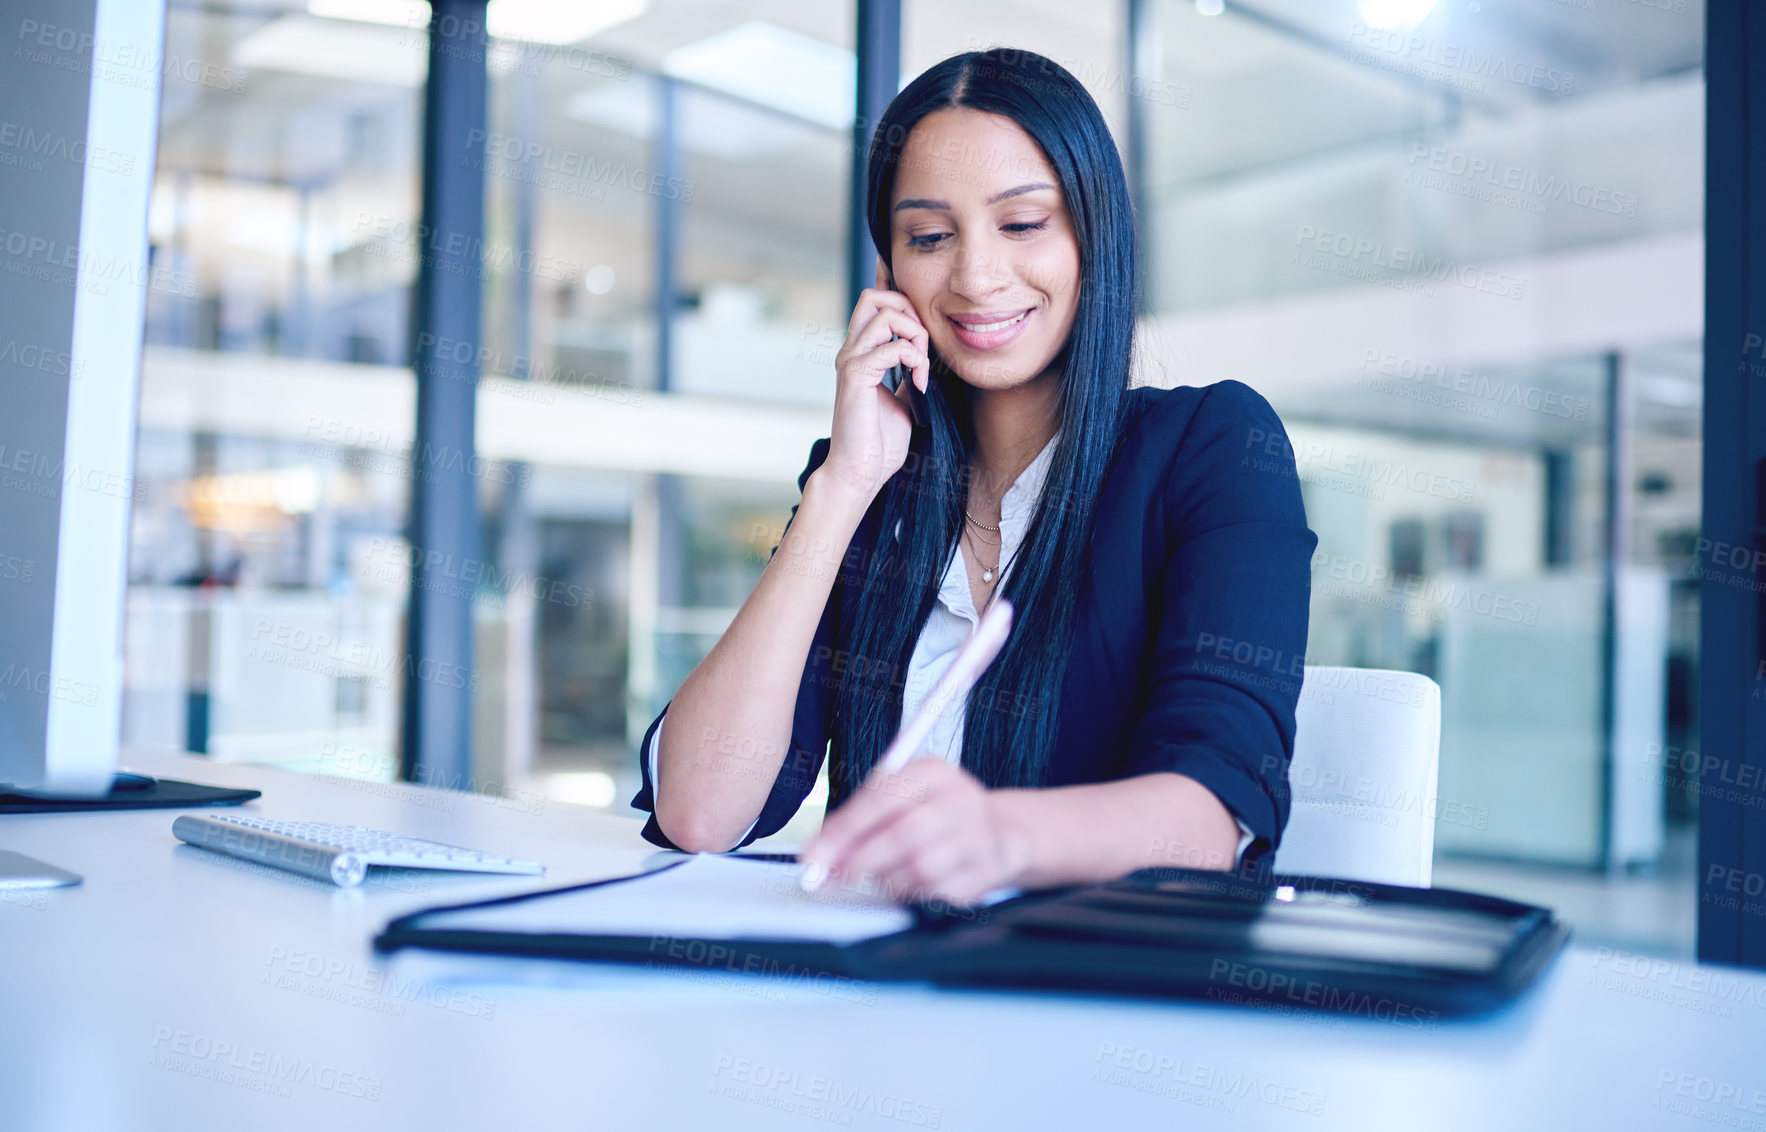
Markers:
(900, 375)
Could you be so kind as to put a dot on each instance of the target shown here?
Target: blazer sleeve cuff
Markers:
(1245, 838)
(645, 799)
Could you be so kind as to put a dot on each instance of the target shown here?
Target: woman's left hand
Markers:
(930, 831)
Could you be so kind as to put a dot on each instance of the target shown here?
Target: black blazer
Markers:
(1189, 638)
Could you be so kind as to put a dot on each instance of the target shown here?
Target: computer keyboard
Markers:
(340, 854)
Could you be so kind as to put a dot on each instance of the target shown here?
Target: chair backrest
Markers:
(1366, 748)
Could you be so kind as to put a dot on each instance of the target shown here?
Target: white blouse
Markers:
(951, 621)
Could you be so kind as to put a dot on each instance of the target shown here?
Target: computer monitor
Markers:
(74, 278)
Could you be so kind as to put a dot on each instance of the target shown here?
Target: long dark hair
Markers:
(1012, 715)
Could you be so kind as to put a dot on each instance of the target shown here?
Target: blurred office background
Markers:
(1456, 244)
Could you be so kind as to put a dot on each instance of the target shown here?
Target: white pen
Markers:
(971, 661)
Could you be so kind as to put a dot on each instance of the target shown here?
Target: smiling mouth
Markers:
(990, 327)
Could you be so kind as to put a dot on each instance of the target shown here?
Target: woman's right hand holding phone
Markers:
(872, 426)
(746, 688)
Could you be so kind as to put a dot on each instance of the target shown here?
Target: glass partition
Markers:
(1458, 247)
(266, 604)
(687, 163)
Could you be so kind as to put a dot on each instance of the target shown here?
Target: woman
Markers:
(1152, 544)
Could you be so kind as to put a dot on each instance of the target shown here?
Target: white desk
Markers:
(176, 989)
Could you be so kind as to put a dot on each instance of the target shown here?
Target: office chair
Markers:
(1366, 750)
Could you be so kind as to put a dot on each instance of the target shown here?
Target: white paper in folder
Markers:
(704, 897)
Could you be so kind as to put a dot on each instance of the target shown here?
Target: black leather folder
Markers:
(129, 792)
(1395, 954)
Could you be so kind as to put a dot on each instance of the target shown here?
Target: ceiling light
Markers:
(559, 21)
(1388, 15)
(773, 66)
(1210, 7)
(598, 279)
(536, 21)
(397, 13)
(355, 53)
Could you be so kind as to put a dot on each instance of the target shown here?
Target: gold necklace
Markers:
(986, 570)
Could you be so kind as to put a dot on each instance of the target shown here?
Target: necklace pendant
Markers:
(987, 575)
